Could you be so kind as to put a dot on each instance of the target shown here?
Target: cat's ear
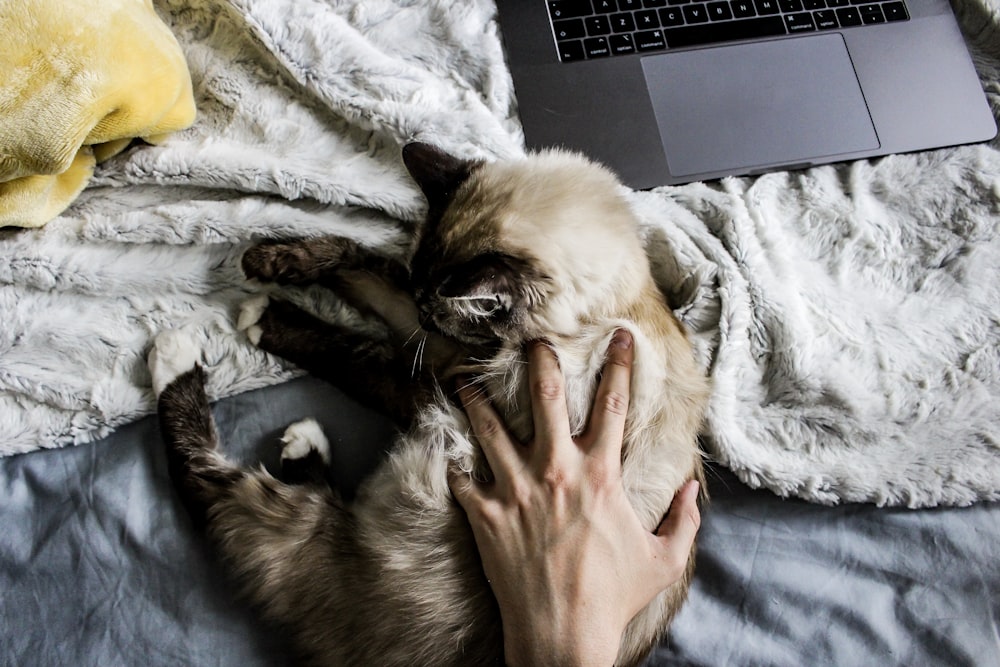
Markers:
(437, 173)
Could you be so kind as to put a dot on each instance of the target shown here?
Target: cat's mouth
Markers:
(462, 332)
(475, 338)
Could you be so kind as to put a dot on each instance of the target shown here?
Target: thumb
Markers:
(677, 531)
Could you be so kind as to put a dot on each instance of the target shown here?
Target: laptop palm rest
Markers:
(754, 106)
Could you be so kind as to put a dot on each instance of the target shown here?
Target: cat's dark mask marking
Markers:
(439, 176)
(437, 173)
(479, 299)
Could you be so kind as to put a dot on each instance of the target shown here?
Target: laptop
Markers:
(673, 91)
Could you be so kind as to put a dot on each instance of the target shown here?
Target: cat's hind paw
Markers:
(302, 437)
(249, 319)
(174, 353)
(305, 453)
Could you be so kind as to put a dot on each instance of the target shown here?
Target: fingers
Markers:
(548, 400)
(678, 530)
(498, 447)
(607, 419)
(463, 488)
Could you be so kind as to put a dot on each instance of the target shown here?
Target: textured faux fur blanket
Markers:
(79, 81)
(849, 315)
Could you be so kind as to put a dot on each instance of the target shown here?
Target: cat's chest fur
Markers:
(658, 452)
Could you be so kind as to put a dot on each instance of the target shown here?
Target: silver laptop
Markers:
(673, 91)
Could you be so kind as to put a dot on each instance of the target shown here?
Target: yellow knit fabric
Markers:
(78, 80)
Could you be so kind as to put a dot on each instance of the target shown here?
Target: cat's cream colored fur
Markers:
(395, 579)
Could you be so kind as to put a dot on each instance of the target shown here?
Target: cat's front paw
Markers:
(174, 353)
(282, 262)
(249, 319)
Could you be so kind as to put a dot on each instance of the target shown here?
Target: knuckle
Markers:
(603, 475)
(488, 427)
(548, 388)
(615, 403)
(555, 478)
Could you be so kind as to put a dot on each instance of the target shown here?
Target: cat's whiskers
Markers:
(418, 357)
(416, 330)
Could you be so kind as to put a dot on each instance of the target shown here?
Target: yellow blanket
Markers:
(80, 79)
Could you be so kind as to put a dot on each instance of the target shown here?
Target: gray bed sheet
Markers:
(100, 566)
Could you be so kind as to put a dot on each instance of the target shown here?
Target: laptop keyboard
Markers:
(587, 29)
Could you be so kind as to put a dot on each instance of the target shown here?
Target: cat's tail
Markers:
(199, 472)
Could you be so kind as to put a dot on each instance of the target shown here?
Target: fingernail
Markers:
(622, 339)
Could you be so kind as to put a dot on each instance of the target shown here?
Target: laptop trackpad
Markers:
(746, 106)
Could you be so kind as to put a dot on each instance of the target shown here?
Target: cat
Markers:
(540, 247)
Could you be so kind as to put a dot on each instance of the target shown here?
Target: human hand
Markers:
(564, 551)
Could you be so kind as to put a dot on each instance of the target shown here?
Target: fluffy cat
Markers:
(543, 247)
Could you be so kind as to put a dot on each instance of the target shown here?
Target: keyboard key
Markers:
(801, 22)
(677, 2)
(629, 5)
(790, 6)
(605, 6)
(671, 16)
(743, 9)
(719, 11)
(814, 4)
(568, 9)
(871, 14)
(848, 16)
(621, 44)
(570, 51)
(695, 13)
(723, 32)
(622, 23)
(650, 40)
(766, 6)
(895, 11)
(837, 3)
(647, 20)
(569, 29)
(597, 25)
(825, 19)
(653, 4)
(597, 47)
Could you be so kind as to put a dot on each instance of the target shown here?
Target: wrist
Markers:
(560, 649)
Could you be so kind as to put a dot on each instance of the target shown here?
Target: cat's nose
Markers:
(425, 315)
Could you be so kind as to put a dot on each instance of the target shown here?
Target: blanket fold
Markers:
(80, 80)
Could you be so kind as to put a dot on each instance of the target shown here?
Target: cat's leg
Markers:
(317, 260)
(371, 370)
(199, 472)
(373, 284)
(305, 455)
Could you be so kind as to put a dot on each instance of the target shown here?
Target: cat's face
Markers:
(520, 249)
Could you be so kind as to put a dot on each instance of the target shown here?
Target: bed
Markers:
(848, 315)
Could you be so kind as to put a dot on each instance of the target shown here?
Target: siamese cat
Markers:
(543, 247)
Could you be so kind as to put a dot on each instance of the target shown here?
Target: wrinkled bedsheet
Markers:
(100, 566)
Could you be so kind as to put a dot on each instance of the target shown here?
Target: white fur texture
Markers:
(250, 314)
(174, 353)
(302, 437)
(848, 314)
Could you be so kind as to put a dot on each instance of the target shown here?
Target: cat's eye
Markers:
(478, 306)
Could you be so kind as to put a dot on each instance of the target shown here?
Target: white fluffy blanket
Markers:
(849, 315)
